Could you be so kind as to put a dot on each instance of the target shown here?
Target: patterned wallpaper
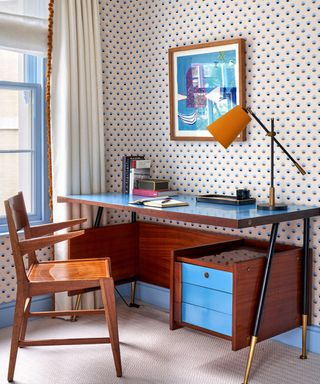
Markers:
(7, 271)
(282, 81)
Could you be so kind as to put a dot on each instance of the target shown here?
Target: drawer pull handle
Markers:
(206, 275)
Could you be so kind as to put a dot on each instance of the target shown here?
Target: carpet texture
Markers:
(151, 353)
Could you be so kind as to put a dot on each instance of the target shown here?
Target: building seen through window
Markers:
(22, 136)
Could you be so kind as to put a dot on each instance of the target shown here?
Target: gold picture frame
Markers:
(206, 81)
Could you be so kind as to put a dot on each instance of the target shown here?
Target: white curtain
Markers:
(77, 115)
(23, 26)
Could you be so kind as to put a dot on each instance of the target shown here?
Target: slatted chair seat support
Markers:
(51, 277)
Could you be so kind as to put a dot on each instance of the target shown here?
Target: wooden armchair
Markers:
(54, 276)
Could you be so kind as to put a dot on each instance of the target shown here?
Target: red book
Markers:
(150, 193)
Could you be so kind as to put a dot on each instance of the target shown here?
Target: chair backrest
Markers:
(17, 219)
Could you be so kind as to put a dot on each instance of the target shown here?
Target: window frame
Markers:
(34, 74)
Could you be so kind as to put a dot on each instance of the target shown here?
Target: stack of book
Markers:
(139, 171)
(134, 168)
(136, 179)
(153, 188)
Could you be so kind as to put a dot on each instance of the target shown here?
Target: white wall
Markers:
(282, 69)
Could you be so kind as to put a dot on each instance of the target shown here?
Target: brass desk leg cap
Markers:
(253, 343)
(304, 337)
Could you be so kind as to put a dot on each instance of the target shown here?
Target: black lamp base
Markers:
(275, 207)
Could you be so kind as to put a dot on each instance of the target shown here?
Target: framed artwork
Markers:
(206, 81)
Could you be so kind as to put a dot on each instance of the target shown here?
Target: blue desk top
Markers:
(198, 212)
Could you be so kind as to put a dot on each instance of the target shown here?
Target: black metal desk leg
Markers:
(254, 339)
(305, 304)
(133, 283)
(98, 217)
(95, 225)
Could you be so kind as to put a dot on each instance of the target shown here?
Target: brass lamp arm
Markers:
(300, 169)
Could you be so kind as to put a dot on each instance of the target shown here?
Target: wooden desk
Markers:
(202, 213)
(223, 216)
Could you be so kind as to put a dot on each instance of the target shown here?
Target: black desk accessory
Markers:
(242, 198)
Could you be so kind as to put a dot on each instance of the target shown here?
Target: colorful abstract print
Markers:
(207, 88)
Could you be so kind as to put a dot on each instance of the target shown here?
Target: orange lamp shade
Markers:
(227, 127)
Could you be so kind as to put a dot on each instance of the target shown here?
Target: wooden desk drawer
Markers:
(224, 301)
(207, 277)
(207, 298)
(206, 318)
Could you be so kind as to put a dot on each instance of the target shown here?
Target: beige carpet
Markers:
(151, 353)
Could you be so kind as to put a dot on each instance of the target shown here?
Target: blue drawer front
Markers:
(206, 318)
(195, 274)
(207, 298)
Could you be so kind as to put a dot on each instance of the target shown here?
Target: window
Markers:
(23, 153)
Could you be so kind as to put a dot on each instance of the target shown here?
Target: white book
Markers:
(163, 203)
(142, 164)
(140, 169)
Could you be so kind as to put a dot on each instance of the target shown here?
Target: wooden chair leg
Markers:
(109, 303)
(16, 332)
(25, 319)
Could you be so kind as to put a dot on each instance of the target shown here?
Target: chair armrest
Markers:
(45, 229)
(31, 245)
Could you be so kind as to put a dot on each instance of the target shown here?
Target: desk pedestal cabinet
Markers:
(140, 250)
(214, 283)
(215, 288)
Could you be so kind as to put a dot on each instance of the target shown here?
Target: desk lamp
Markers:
(227, 128)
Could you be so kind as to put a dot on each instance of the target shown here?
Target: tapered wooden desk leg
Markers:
(305, 304)
(254, 339)
(95, 225)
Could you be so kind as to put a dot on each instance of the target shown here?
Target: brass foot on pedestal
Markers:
(133, 295)
(77, 306)
(303, 355)
(253, 343)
